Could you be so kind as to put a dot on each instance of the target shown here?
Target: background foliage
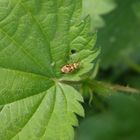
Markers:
(115, 117)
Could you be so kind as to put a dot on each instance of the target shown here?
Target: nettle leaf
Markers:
(37, 38)
(48, 115)
(82, 42)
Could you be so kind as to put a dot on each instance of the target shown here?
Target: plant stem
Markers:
(109, 88)
(125, 89)
(103, 88)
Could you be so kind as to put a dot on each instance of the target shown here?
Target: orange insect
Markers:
(70, 68)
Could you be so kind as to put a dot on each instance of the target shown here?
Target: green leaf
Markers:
(48, 115)
(16, 85)
(87, 57)
(36, 40)
(120, 37)
(96, 9)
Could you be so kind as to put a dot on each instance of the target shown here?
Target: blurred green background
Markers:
(116, 117)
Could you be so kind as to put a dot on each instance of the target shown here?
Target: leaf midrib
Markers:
(21, 47)
(30, 116)
(26, 72)
(50, 115)
(42, 32)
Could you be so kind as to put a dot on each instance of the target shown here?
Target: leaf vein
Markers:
(23, 50)
(29, 118)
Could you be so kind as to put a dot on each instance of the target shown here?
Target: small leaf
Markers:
(96, 9)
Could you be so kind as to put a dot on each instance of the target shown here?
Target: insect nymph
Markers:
(70, 68)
